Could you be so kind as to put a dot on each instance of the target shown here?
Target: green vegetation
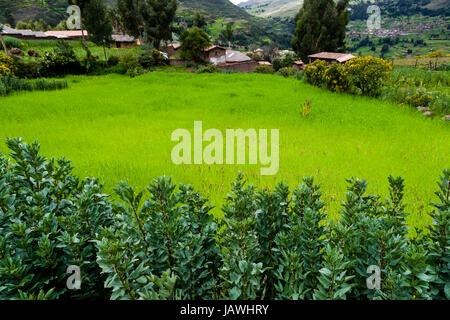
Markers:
(118, 128)
(320, 26)
(164, 244)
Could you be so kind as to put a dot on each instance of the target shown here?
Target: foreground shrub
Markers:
(271, 244)
(27, 68)
(164, 248)
(419, 99)
(315, 72)
(48, 219)
(7, 66)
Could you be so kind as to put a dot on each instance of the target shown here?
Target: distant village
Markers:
(222, 57)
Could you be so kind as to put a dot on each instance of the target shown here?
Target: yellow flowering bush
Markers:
(367, 74)
(6, 65)
(315, 72)
(336, 79)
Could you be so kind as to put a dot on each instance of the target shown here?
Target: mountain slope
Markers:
(272, 8)
(392, 8)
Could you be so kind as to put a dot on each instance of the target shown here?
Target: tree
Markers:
(98, 24)
(228, 32)
(199, 20)
(149, 18)
(320, 26)
(193, 42)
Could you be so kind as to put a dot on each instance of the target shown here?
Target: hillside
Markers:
(272, 8)
(391, 8)
(248, 29)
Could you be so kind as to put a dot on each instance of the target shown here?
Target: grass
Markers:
(117, 128)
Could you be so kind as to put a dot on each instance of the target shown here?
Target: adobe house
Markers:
(121, 41)
(172, 49)
(298, 65)
(331, 57)
(238, 61)
(214, 53)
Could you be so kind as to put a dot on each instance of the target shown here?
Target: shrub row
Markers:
(9, 84)
(361, 75)
(163, 243)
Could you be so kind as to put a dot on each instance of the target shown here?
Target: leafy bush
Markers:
(210, 68)
(113, 61)
(287, 72)
(128, 62)
(264, 70)
(163, 248)
(48, 218)
(61, 61)
(27, 68)
(7, 66)
(315, 72)
(367, 74)
(419, 99)
(360, 75)
(274, 244)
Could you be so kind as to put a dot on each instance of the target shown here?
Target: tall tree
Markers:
(98, 24)
(193, 42)
(199, 20)
(158, 16)
(320, 26)
(149, 18)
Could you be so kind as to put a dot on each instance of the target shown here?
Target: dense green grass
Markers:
(114, 127)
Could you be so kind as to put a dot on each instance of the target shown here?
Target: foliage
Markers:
(48, 218)
(149, 19)
(128, 62)
(61, 61)
(320, 26)
(368, 74)
(193, 42)
(10, 84)
(419, 99)
(273, 244)
(264, 69)
(305, 109)
(163, 248)
(285, 62)
(98, 24)
(287, 72)
(210, 68)
(360, 75)
(7, 66)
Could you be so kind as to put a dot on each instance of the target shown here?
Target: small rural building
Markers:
(265, 63)
(121, 41)
(214, 53)
(331, 57)
(172, 49)
(298, 65)
(238, 61)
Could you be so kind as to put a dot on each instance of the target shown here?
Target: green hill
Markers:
(248, 29)
(391, 8)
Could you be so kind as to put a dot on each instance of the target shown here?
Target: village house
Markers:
(120, 41)
(298, 65)
(331, 57)
(221, 57)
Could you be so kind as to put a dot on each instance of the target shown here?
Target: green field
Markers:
(119, 128)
